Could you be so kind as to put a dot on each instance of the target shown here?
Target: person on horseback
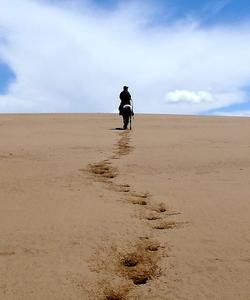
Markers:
(126, 108)
(125, 98)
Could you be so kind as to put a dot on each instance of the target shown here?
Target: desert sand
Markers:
(90, 212)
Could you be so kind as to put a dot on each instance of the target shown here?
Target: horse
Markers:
(127, 113)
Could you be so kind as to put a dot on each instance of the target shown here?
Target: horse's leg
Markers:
(130, 117)
(125, 121)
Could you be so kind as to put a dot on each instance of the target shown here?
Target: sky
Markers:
(176, 56)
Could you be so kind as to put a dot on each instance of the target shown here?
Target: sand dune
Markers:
(90, 212)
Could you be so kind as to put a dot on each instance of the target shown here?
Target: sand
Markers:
(159, 212)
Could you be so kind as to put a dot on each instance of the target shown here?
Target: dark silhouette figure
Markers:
(125, 108)
(125, 99)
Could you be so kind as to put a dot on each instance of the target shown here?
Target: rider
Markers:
(125, 98)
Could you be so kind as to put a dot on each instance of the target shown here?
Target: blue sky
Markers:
(7, 76)
(177, 56)
(228, 11)
(224, 11)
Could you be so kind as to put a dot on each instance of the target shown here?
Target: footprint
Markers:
(130, 260)
(151, 246)
(161, 207)
(123, 146)
(140, 265)
(125, 185)
(152, 217)
(116, 294)
(140, 278)
(124, 188)
(139, 202)
(144, 195)
(166, 225)
(103, 170)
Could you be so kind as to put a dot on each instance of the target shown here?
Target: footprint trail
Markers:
(140, 264)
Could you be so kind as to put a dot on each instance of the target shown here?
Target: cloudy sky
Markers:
(176, 56)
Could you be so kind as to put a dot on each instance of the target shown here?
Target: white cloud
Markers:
(78, 59)
(185, 96)
(238, 113)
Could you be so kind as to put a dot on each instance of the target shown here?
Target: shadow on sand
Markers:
(117, 128)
